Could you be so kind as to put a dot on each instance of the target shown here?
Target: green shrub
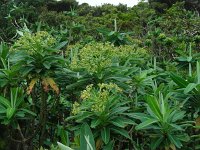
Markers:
(105, 109)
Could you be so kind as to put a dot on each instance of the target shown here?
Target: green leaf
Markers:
(174, 140)
(154, 106)
(119, 110)
(89, 146)
(145, 124)
(28, 111)
(179, 81)
(20, 114)
(61, 45)
(76, 84)
(20, 33)
(5, 102)
(64, 137)
(155, 143)
(82, 116)
(26, 70)
(178, 116)
(163, 105)
(118, 122)
(105, 135)
(127, 121)
(109, 146)
(198, 72)
(140, 116)
(47, 65)
(121, 132)
(190, 87)
(183, 137)
(85, 137)
(95, 123)
(63, 147)
(2, 111)
(10, 112)
(177, 127)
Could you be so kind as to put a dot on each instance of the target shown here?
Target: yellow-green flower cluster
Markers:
(102, 96)
(161, 37)
(75, 108)
(127, 51)
(85, 94)
(33, 43)
(97, 98)
(99, 105)
(94, 57)
(109, 87)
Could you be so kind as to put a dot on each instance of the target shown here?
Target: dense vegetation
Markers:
(99, 78)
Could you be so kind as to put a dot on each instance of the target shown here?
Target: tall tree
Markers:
(160, 5)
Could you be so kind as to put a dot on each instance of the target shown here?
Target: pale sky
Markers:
(129, 3)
